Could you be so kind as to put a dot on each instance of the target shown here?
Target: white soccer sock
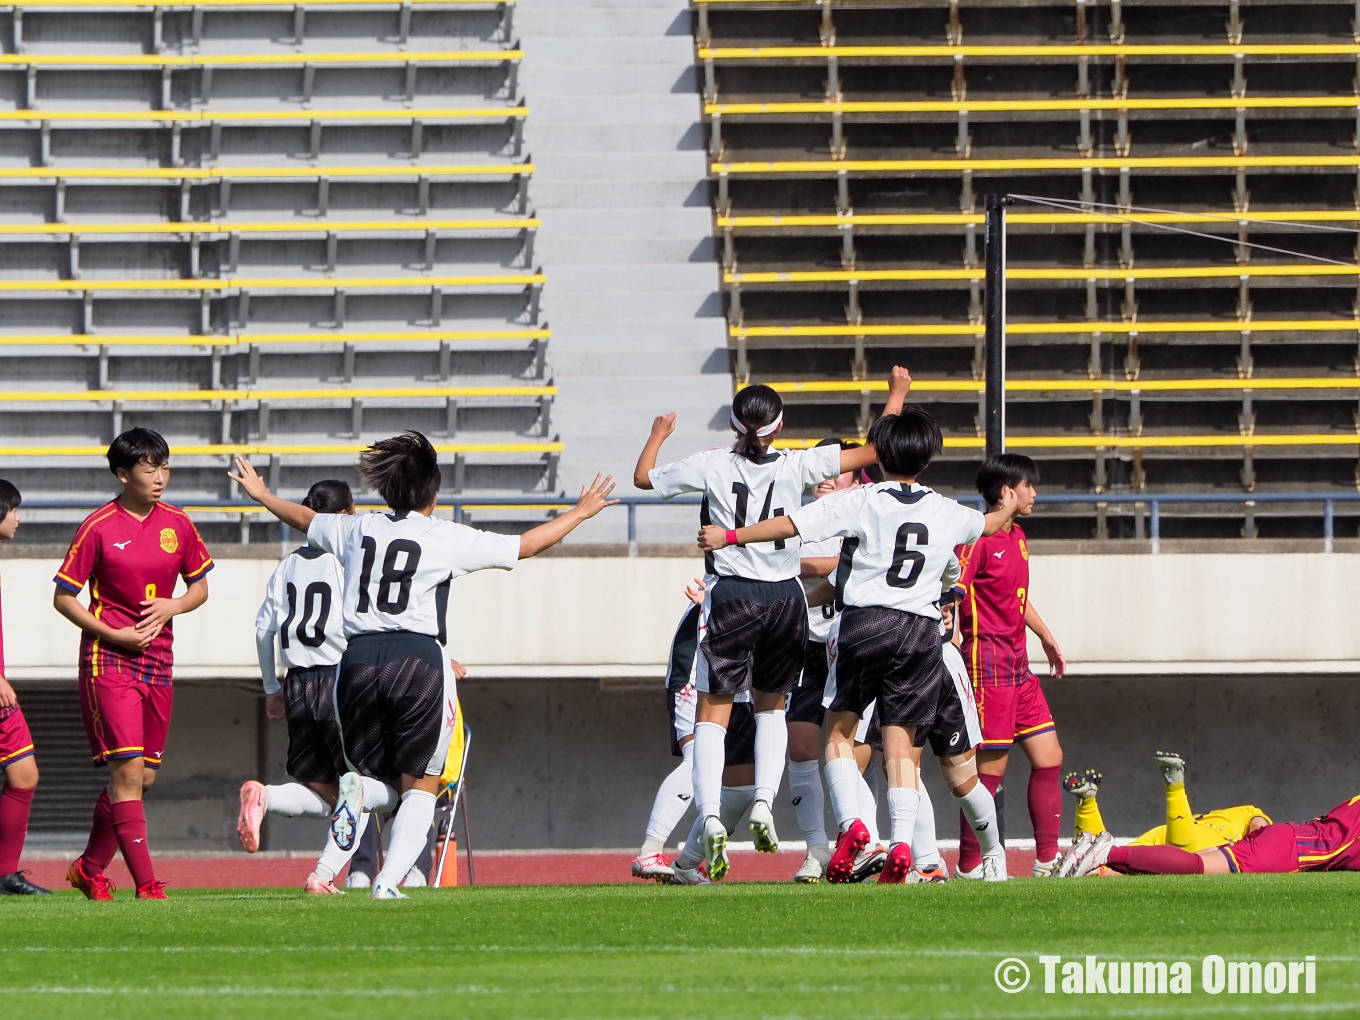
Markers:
(693, 850)
(924, 850)
(333, 860)
(295, 800)
(672, 801)
(378, 796)
(710, 754)
(410, 830)
(980, 810)
(903, 805)
(868, 803)
(843, 783)
(809, 803)
(735, 802)
(772, 745)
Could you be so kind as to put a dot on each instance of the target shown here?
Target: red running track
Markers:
(496, 867)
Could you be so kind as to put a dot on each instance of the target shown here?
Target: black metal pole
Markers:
(994, 310)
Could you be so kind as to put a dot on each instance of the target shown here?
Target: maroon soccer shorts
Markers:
(1272, 850)
(125, 718)
(16, 742)
(1011, 714)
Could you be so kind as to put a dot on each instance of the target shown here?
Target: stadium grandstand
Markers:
(1182, 307)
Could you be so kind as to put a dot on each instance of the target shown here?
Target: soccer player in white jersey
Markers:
(393, 694)
(753, 625)
(301, 611)
(899, 540)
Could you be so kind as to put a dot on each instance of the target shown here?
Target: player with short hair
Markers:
(1183, 828)
(1330, 842)
(753, 625)
(302, 612)
(131, 551)
(899, 539)
(996, 611)
(394, 695)
(18, 765)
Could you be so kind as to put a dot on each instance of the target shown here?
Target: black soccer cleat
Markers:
(1082, 785)
(18, 884)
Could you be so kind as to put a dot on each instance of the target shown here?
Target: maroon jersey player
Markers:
(18, 765)
(131, 551)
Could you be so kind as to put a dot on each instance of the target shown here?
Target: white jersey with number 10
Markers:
(302, 606)
(398, 566)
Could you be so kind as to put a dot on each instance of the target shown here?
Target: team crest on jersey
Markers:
(169, 540)
(1024, 550)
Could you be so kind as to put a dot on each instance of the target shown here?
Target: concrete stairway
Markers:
(626, 239)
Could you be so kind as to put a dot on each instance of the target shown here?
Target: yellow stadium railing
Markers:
(275, 283)
(256, 117)
(247, 227)
(1023, 164)
(306, 172)
(1039, 273)
(1151, 327)
(1122, 442)
(250, 339)
(1041, 219)
(320, 393)
(223, 60)
(834, 386)
(1030, 52)
(830, 107)
(279, 449)
(185, 5)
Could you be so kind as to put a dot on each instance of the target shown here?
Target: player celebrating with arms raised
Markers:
(131, 551)
(753, 623)
(899, 539)
(995, 612)
(394, 692)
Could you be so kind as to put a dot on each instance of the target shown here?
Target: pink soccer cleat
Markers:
(897, 866)
(318, 886)
(656, 867)
(848, 845)
(252, 814)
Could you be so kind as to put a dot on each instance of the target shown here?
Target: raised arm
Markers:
(1004, 513)
(594, 498)
(899, 385)
(295, 515)
(712, 537)
(662, 426)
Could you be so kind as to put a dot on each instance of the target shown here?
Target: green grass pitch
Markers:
(660, 952)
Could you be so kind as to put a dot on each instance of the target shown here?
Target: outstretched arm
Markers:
(821, 595)
(713, 537)
(1004, 513)
(594, 498)
(662, 426)
(899, 385)
(295, 515)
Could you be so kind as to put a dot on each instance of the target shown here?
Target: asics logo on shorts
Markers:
(954, 739)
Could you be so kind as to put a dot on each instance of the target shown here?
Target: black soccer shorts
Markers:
(805, 700)
(314, 752)
(753, 634)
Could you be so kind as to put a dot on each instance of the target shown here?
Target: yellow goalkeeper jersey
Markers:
(1214, 828)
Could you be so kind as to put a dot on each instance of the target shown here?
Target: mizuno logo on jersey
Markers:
(999, 554)
(122, 545)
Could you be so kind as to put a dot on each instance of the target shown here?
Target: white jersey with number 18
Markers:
(739, 492)
(398, 566)
(302, 606)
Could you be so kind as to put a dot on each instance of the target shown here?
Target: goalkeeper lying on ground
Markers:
(1182, 829)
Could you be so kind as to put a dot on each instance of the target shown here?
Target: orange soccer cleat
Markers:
(95, 887)
(252, 814)
(153, 890)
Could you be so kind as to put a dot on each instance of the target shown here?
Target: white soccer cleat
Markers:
(1095, 856)
(348, 807)
(976, 875)
(318, 886)
(1082, 785)
(415, 879)
(994, 866)
(715, 849)
(762, 828)
(1172, 766)
(697, 875)
(386, 892)
(1044, 869)
(814, 864)
(868, 863)
(358, 880)
(1067, 860)
(653, 867)
(931, 874)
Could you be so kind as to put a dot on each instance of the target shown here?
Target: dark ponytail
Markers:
(330, 496)
(755, 407)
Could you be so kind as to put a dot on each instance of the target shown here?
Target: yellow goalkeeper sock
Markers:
(1088, 817)
(1180, 822)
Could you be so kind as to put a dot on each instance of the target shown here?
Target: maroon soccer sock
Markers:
(103, 841)
(14, 806)
(129, 822)
(1154, 860)
(1045, 810)
(970, 854)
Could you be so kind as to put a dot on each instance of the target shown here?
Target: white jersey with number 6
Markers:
(738, 492)
(302, 605)
(899, 541)
(398, 566)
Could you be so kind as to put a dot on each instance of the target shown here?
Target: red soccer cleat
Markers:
(252, 814)
(848, 845)
(153, 890)
(897, 866)
(95, 887)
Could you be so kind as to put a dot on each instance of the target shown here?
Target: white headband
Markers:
(763, 431)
